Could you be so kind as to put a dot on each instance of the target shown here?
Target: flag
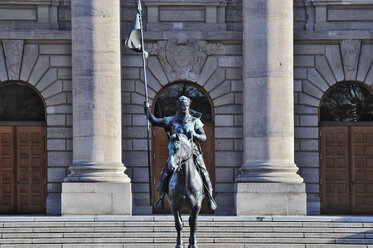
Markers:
(133, 39)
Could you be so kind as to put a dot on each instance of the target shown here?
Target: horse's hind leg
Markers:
(193, 226)
(179, 228)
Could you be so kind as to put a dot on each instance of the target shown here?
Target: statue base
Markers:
(96, 198)
(270, 199)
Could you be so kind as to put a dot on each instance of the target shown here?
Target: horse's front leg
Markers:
(179, 228)
(193, 226)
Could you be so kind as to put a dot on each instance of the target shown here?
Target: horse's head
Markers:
(181, 150)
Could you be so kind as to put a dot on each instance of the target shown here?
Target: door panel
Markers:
(7, 169)
(362, 169)
(335, 190)
(160, 155)
(30, 170)
(22, 169)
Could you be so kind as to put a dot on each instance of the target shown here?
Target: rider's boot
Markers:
(206, 180)
(162, 187)
(160, 202)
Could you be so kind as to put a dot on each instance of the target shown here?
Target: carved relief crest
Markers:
(350, 55)
(183, 59)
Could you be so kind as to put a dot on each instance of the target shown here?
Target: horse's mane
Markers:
(182, 147)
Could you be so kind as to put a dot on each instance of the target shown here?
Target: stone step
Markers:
(166, 245)
(213, 231)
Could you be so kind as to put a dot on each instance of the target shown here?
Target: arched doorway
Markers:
(22, 150)
(346, 149)
(165, 105)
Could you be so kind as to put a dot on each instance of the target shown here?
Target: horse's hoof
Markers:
(179, 246)
(192, 246)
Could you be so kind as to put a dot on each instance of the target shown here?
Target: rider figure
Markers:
(187, 122)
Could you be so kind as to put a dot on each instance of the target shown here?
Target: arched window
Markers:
(19, 102)
(165, 104)
(347, 102)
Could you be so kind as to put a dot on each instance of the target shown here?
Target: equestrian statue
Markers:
(184, 177)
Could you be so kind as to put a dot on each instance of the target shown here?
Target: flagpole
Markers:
(139, 9)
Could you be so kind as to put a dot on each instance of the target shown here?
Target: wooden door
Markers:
(7, 170)
(346, 169)
(24, 150)
(160, 155)
(335, 168)
(362, 170)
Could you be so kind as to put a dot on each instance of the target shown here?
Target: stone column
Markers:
(269, 183)
(96, 183)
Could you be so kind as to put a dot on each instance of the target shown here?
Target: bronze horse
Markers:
(185, 187)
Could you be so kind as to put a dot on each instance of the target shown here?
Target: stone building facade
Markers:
(265, 66)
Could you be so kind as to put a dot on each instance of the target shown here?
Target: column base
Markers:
(91, 198)
(270, 199)
(270, 172)
(82, 171)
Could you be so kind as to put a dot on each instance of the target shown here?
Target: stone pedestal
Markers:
(270, 199)
(96, 198)
(268, 115)
(96, 177)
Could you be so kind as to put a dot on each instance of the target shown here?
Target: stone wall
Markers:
(321, 59)
(47, 67)
(34, 51)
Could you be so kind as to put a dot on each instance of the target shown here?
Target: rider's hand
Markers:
(146, 107)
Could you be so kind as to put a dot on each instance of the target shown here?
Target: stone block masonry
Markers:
(35, 69)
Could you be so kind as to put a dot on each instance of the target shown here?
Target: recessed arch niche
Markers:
(164, 104)
(23, 154)
(346, 149)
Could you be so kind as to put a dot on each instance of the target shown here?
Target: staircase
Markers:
(159, 231)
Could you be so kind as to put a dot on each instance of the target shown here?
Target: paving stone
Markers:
(312, 90)
(41, 66)
(217, 78)
(300, 73)
(324, 69)
(335, 61)
(308, 100)
(208, 69)
(222, 89)
(234, 73)
(369, 78)
(365, 62)
(317, 79)
(55, 120)
(30, 54)
(55, 49)
(227, 99)
(309, 145)
(57, 99)
(48, 79)
(53, 89)
(156, 68)
(56, 144)
(309, 49)
(304, 61)
(230, 61)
